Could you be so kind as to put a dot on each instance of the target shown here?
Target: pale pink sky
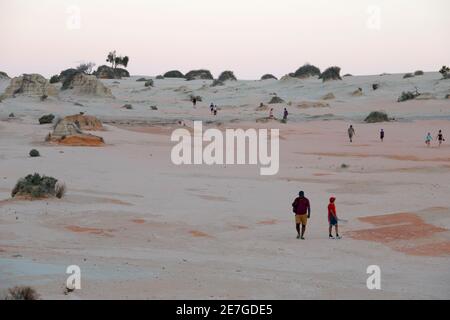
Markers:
(250, 37)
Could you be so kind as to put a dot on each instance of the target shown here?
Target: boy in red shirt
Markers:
(332, 218)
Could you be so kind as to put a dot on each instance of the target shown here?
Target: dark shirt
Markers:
(301, 206)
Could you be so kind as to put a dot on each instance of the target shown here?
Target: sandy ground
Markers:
(142, 228)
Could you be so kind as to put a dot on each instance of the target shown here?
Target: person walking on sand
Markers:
(302, 210)
(351, 133)
(194, 101)
(382, 135)
(211, 107)
(271, 113)
(215, 110)
(285, 115)
(332, 219)
(440, 138)
(428, 139)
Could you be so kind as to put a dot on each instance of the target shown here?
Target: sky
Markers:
(249, 37)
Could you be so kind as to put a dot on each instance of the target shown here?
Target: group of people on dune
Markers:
(440, 136)
(302, 209)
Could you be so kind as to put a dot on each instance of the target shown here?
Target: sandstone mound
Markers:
(30, 85)
(199, 75)
(84, 122)
(227, 76)
(83, 84)
(357, 93)
(68, 133)
(329, 96)
(312, 104)
(268, 76)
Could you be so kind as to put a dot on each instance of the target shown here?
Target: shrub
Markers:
(127, 106)
(217, 82)
(54, 79)
(344, 166)
(159, 77)
(44, 97)
(348, 75)
(268, 76)
(332, 73)
(141, 80)
(35, 186)
(149, 83)
(199, 75)
(377, 116)
(86, 68)
(173, 74)
(419, 73)
(408, 75)
(197, 98)
(34, 153)
(46, 119)
(306, 71)
(227, 75)
(375, 86)
(22, 293)
(445, 71)
(275, 100)
(11, 115)
(60, 189)
(408, 95)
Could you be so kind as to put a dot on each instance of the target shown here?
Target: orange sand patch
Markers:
(138, 221)
(82, 141)
(199, 234)
(239, 227)
(431, 249)
(268, 222)
(321, 174)
(396, 218)
(394, 230)
(96, 231)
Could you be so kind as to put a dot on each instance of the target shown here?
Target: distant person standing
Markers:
(271, 113)
(382, 135)
(332, 219)
(211, 107)
(215, 110)
(302, 210)
(194, 101)
(440, 138)
(285, 115)
(351, 133)
(428, 139)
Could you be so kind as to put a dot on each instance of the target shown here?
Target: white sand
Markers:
(155, 230)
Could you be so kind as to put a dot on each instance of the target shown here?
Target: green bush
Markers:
(268, 76)
(22, 293)
(275, 100)
(46, 119)
(35, 186)
(419, 73)
(226, 76)
(408, 95)
(408, 75)
(377, 116)
(149, 83)
(332, 73)
(34, 153)
(217, 82)
(306, 71)
(173, 74)
(54, 79)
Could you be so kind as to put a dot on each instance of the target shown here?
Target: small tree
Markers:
(116, 60)
(444, 71)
